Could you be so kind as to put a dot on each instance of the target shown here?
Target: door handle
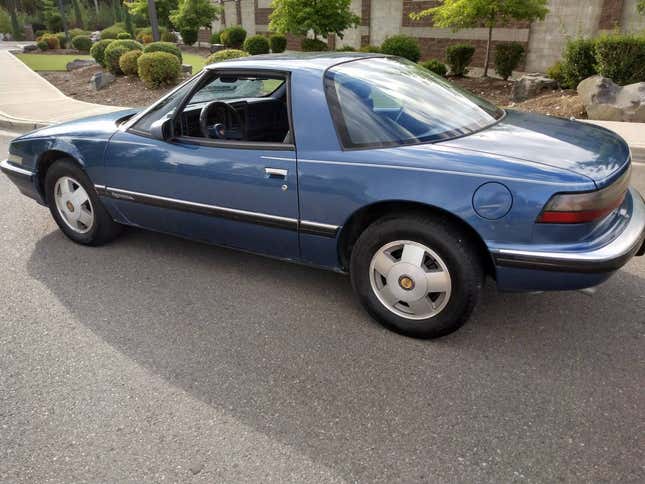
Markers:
(276, 173)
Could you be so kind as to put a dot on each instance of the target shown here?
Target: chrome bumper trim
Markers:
(605, 259)
(10, 169)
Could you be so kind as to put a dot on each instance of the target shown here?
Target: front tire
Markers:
(417, 275)
(76, 207)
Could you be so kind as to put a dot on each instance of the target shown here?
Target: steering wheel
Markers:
(220, 130)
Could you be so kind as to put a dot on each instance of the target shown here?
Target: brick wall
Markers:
(262, 14)
(411, 6)
(366, 9)
(611, 14)
(432, 48)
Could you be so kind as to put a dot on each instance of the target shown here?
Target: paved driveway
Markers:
(155, 358)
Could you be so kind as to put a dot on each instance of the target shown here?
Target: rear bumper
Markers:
(601, 260)
(23, 179)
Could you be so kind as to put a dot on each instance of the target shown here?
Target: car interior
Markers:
(238, 107)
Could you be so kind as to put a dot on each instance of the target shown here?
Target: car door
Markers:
(236, 193)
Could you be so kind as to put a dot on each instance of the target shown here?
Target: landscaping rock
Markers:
(78, 63)
(217, 48)
(606, 100)
(186, 69)
(29, 48)
(101, 80)
(530, 85)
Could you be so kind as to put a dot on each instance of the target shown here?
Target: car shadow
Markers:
(287, 350)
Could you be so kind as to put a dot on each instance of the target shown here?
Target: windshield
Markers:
(380, 102)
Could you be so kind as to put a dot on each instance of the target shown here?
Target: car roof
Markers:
(316, 61)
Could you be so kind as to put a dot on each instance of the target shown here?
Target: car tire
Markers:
(75, 205)
(420, 276)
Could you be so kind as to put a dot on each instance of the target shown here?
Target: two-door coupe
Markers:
(366, 164)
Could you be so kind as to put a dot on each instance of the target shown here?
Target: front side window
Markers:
(381, 102)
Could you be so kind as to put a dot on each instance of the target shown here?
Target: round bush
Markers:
(82, 42)
(73, 33)
(556, 73)
(42, 45)
(98, 50)
(52, 41)
(403, 46)
(313, 45)
(435, 66)
(258, 44)
(278, 43)
(115, 50)
(189, 36)
(164, 47)
(621, 58)
(225, 54)
(123, 36)
(112, 31)
(507, 57)
(128, 62)
(372, 49)
(578, 62)
(168, 37)
(158, 68)
(233, 37)
(215, 38)
(459, 57)
(62, 40)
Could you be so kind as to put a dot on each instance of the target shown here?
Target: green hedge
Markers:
(98, 50)
(82, 42)
(112, 31)
(256, 45)
(435, 66)
(578, 62)
(164, 47)
(278, 43)
(459, 57)
(123, 36)
(621, 58)
(313, 45)
(507, 57)
(402, 46)
(372, 49)
(128, 62)
(158, 68)
(225, 54)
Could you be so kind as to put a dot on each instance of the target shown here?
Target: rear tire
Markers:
(417, 275)
(76, 207)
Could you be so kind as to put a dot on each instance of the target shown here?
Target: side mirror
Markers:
(160, 129)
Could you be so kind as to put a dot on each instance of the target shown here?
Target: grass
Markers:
(57, 62)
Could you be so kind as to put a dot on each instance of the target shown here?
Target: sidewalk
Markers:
(28, 101)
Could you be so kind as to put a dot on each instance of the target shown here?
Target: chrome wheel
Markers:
(74, 205)
(410, 279)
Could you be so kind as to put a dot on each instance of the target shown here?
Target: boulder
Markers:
(29, 48)
(186, 69)
(606, 100)
(101, 80)
(217, 48)
(530, 85)
(78, 63)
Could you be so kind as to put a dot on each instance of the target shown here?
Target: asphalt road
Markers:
(156, 358)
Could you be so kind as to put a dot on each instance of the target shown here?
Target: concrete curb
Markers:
(15, 124)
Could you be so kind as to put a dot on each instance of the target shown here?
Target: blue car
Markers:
(363, 164)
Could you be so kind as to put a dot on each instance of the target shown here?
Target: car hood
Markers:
(103, 125)
(578, 147)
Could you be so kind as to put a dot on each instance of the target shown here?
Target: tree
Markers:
(78, 17)
(128, 22)
(163, 8)
(319, 16)
(641, 7)
(464, 14)
(193, 14)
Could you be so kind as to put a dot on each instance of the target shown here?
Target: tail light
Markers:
(575, 208)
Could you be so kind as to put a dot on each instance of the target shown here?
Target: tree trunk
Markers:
(154, 22)
(96, 6)
(490, 38)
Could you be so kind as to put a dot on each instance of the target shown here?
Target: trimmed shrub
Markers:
(313, 45)
(402, 46)
(459, 57)
(346, 48)
(42, 45)
(216, 37)
(164, 47)
(556, 73)
(158, 68)
(225, 54)
(435, 66)
(168, 37)
(112, 31)
(189, 36)
(115, 50)
(233, 37)
(257, 44)
(372, 49)
(98, 50)
(128, 62)
(278, 43)
(621, 58)
(578, 62)
(146, 39)
(82, 42)
(62, 40)
(123, 36)
(507, 57)
(73, 33)
(52, 41)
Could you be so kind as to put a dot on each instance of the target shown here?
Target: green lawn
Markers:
(57, 62)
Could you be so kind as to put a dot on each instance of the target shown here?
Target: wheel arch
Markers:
(367, 215)
(45, 161)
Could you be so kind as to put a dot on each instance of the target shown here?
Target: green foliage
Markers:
(62, 40)
(128, 62)
(76, 32)
(189, 36)
(52, 41)
(233, 37)
(507, 57)
(578, 62)
(372, 49)
(139, 8)
(82, 42)
(313, 45)
(321, 17)
(158, 68)
(112, 31)
(144, 33)
(435, 66)
(127, 17)
(278, 43)
(257, 44)
(556, 73)
(193, 14)
(621, 58)
(52, 16)
(42, 45)
(98, 50)
(215, 38)
(640, 6)
(459, 57)
(16, 29)
(168, 47)
(115, 50)
(5, 21)
(78, 16)
(123, 36)
(346, 48)
(225, 54)
(403, 46)
(168, 37)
